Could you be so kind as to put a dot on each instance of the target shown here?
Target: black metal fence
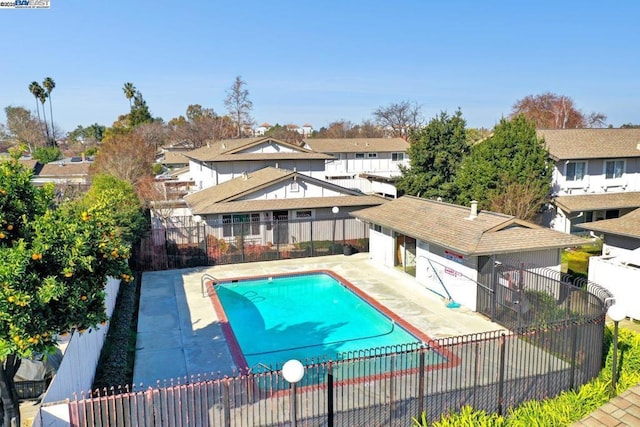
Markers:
(492, 371)
(193, 244)
(519, 295)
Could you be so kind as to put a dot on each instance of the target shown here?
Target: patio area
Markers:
(179, 335)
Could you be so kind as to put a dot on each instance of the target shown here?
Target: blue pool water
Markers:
(303, 316)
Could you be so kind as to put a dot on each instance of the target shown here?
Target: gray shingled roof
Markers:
(223, 198)
(62, 169)
(357, 145)
(592, 202)
(286, 204)
(568, 144)
(627, 225)
(174, 158)
(449, 226)
(230, 150)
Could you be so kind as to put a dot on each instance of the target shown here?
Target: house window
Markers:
(372, 155)
(377, 228)
(303, 214)
(359, 155)
(575, 171)
(397, 157)
(614, 169)
(241, 225)
(295, 187)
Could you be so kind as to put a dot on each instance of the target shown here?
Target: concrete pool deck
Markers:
(179, 334)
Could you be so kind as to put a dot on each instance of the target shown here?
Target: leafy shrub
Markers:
(569, 406)
(47, 154)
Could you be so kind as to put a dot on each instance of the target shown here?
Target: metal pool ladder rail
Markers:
(204, 279)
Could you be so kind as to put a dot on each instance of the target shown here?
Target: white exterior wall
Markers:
(382, 164)
(447, 273)
(210, 174)
(595, 181)
(621, 280)
(287, 190)
(381, 246)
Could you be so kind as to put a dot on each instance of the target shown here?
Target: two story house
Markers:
(222, 161)
(369, 165)
(596, 175)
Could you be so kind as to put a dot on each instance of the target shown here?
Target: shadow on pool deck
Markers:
(179, 335)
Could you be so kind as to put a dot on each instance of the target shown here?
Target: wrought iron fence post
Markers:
(330, 395)
(494, 294)
(421, 382)
(501, 373)
(574, 349)
(226, 404)
(277, 227)
(391, 387)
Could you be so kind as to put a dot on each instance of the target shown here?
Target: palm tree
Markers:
(37, 91)
(49, 85)
(42, 96)
(129, 91)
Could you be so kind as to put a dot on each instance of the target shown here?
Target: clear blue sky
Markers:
(320, 61)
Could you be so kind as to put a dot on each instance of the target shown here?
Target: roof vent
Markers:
(224, 146)
(474, 210)
(245, 175)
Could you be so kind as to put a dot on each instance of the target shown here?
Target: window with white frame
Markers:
(372, 155)
(241, 225)
(613, 169)
(359, 155)
(575, 171)
(397, 157)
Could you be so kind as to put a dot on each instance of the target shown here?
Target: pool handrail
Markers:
(203, 279)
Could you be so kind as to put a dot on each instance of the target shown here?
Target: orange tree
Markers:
(53, 270)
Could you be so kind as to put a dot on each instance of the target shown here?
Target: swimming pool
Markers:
(308, 315)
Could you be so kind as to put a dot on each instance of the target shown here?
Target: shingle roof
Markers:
(449, 226)
(285, 204)
(174, 158)
(357, 145)
(592, 202)
(223, 198)
(567, 144)
(64, 169)
(230, 150)
(627, 225)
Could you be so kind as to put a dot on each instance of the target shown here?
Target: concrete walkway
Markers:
(179, 335)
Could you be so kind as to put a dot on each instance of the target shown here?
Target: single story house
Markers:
(451, 248)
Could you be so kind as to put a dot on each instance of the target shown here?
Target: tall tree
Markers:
(139, 113)
(509, 172)
(336, 130)
(49, 85)
(37, 91)
(399, 118)
(435, 153)
(239, 105)
(42, 96)
(55, 263)
(129, 92)
(553, 111)
(126, 156)
(21, 125)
